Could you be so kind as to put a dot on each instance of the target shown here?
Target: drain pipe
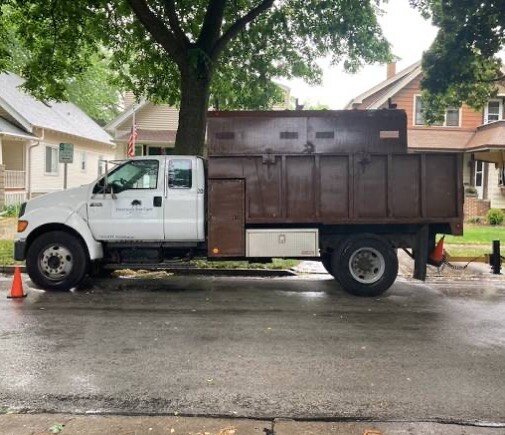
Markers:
(28, 165)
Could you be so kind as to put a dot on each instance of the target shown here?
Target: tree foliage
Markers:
(463, 63)
(182, 51)
(94, 90)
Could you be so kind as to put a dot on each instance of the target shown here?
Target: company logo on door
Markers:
(133, 210)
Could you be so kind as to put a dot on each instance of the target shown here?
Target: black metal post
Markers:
(495, 259)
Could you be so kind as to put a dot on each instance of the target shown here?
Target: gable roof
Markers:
(57, 116)
(8, 129)
(376, 97)
(129, 111)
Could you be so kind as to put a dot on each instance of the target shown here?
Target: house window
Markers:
(83, 161)
(451, 116)
(493, 111)
(51, 160)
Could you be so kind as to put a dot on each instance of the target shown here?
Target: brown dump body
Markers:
(323, 168)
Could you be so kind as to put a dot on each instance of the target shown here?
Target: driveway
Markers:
(258, 348)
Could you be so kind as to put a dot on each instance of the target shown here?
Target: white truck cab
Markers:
(152, 201)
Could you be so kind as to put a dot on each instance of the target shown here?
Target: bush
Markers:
(476, 220)
(10, 210)
(495, 216)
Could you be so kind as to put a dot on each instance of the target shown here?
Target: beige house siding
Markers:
(467, 172)
(494, 191)
(153, 117)
(41, 182)
(13, 154)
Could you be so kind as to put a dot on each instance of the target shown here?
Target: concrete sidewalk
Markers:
(68, 424)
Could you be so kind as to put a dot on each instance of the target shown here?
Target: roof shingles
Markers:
(58, 116)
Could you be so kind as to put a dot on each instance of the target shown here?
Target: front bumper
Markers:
(19, 250)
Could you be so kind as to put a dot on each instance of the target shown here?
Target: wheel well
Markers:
(54, 227)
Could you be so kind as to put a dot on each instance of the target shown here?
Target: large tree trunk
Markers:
(195, 89)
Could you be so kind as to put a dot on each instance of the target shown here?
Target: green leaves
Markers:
(462, 65)
(62, 37)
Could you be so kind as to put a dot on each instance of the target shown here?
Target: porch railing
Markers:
(14, 179)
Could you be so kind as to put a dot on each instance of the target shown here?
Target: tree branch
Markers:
(173, 19)
(239, 25)
(211, 27)
(156, 27)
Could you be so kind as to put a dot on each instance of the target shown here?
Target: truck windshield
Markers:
(136, 174)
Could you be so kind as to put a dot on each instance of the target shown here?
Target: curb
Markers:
(190, 271)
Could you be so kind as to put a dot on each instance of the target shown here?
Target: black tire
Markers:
(380, 270)
(77, 260)
(326, 262)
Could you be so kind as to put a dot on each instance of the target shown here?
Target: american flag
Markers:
(131, 141)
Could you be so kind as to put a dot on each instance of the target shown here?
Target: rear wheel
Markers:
(326, 262)
(365, 265)
(57, 260)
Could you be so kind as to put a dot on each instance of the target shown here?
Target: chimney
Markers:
(391, 70)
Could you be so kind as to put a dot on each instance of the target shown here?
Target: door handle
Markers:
(157, 201)
(136, 202)
(95, 204)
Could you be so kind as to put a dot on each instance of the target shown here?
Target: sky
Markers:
(409, 35)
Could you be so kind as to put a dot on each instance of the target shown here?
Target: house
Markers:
(480, 135)
(30, 133)
(156, 125)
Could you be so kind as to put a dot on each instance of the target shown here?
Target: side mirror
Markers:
(112, 194)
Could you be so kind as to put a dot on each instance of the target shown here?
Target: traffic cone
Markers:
(437, 255)
(17, 285)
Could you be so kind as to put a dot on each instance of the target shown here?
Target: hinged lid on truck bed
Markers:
(306, 131)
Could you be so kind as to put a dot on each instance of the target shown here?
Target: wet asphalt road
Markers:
(263, 348)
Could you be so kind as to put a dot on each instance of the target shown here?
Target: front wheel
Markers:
(365, 265)
(57, 260)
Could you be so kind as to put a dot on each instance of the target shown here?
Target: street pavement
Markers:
(297, 348)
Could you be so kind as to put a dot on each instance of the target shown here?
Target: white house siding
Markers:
(494, 191)
(41, 182)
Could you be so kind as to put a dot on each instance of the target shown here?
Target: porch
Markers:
(13, 143)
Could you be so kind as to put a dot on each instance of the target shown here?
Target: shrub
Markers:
(10, 210)
(495, 216)
(476, 220)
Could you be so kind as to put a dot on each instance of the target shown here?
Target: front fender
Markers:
(51, 216)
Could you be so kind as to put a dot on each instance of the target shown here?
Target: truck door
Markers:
(184, 204)
(131, 208)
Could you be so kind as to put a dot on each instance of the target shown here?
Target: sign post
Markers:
(66, 156)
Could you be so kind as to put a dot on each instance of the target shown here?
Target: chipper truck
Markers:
(340, 187)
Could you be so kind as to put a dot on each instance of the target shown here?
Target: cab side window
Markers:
(136, 174)
(180, 174)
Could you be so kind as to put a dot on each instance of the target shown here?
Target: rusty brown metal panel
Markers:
(370, 172)
(300, 187)
(334, 187)
(263, 179)
(405, 188)
(226, 215)
(441, 179)
(288, 132)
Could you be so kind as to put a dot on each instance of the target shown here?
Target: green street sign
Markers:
(66, 153)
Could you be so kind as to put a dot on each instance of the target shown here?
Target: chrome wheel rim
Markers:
(56, 262)
(367, 265)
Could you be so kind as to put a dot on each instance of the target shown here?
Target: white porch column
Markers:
(1, 151)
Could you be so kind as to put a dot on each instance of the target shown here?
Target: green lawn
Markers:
(478, 234)
(6, 252)
(476, 240)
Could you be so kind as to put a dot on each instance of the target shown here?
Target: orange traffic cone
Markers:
(437, 255)
(17, 285)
